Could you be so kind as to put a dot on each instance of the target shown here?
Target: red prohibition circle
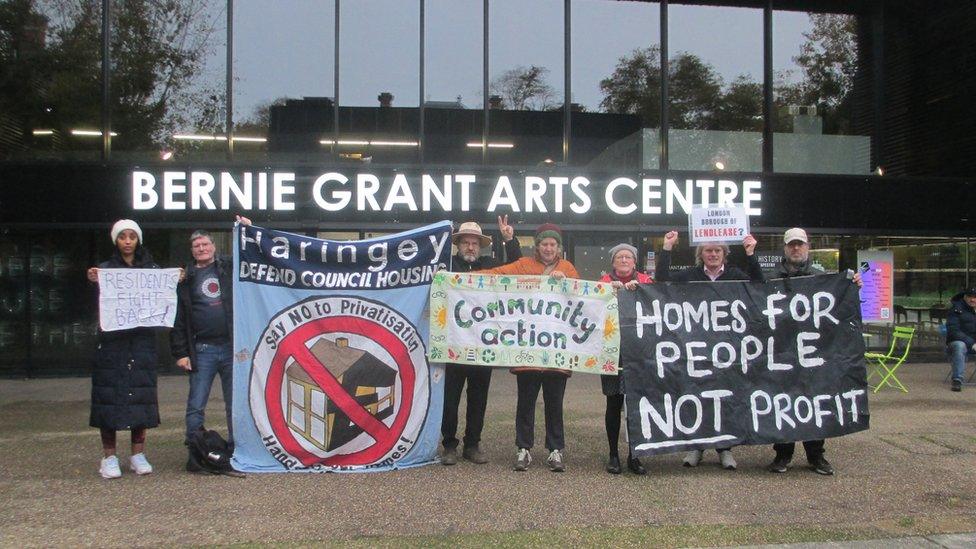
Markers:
(293, 345)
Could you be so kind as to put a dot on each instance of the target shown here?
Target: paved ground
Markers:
(912, 474)
(953, 541)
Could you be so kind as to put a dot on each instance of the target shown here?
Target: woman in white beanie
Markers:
(623, 274)
(124, 375)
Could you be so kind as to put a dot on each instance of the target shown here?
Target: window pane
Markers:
(14, 328)
(379, 81)
(715, 90)
(526, 82)
(822, 94)
(167, 96)
(616, 85)
(454, 102)
(297, 94)
(62, 327)
(50, 85)
(339, 235)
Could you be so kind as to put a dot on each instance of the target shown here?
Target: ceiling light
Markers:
(197, 137)
(90, 133)
(477, 145)
(393, 143)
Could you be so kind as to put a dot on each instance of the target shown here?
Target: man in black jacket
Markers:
(711, 265)
(202, 337)
(961, 333)
(796, 262)
(469, 240)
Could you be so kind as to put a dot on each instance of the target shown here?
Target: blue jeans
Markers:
(211, 360)
(957, 351)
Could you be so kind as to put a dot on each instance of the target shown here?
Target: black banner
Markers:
(717, 364)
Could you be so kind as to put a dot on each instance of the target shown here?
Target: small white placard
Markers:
(133, 298)
(718, 224)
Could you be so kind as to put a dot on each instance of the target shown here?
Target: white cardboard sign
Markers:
(728, 223)
(133, 298)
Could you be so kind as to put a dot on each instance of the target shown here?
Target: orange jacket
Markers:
(532, 266)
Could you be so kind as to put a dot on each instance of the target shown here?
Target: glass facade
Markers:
(525, 68)
(453, 95)
(716, 89)
(615, 76)
(819, 84)
(266, 82)
(169, 80)
(50, 92)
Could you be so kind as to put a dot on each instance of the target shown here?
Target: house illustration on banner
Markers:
(316, 418)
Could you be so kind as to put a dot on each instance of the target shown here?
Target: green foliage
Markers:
(828, 63)
(699, 99)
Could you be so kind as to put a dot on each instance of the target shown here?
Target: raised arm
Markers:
(662, 268)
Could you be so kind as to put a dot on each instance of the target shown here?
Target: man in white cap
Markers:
(469, 240)
(796, 262)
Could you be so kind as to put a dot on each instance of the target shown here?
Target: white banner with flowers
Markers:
(524, 321)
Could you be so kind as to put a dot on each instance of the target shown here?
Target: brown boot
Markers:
(474, 455)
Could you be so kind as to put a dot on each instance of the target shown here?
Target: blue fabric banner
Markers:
(330, 339)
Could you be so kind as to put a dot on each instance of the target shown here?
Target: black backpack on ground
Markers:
(209, 454)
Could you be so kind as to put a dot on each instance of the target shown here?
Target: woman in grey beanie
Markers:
(623, 274)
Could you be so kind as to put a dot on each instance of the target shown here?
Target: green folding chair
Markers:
(885, 365)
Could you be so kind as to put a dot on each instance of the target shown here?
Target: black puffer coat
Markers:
(124, 376)
(960, 322)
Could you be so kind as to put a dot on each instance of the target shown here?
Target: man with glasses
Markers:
(469, 240)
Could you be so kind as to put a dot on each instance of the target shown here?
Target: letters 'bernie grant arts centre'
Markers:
(346, 120)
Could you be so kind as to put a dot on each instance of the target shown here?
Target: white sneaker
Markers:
(728, 462)
(110, 467)
(555, 461)
(522, 459)
(693, 458)
(139, 464)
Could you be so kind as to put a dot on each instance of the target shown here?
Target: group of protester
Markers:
(711, 265)
(124, 376)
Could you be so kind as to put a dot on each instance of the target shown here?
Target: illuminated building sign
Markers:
(448, 193)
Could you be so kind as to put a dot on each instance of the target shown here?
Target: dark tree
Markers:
(524, 88)
(50, 66)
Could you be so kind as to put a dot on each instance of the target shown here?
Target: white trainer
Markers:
(728, 462)
(693, 458)
(140, 465)
(109, 467)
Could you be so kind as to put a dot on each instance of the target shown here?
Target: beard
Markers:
(470, 257)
